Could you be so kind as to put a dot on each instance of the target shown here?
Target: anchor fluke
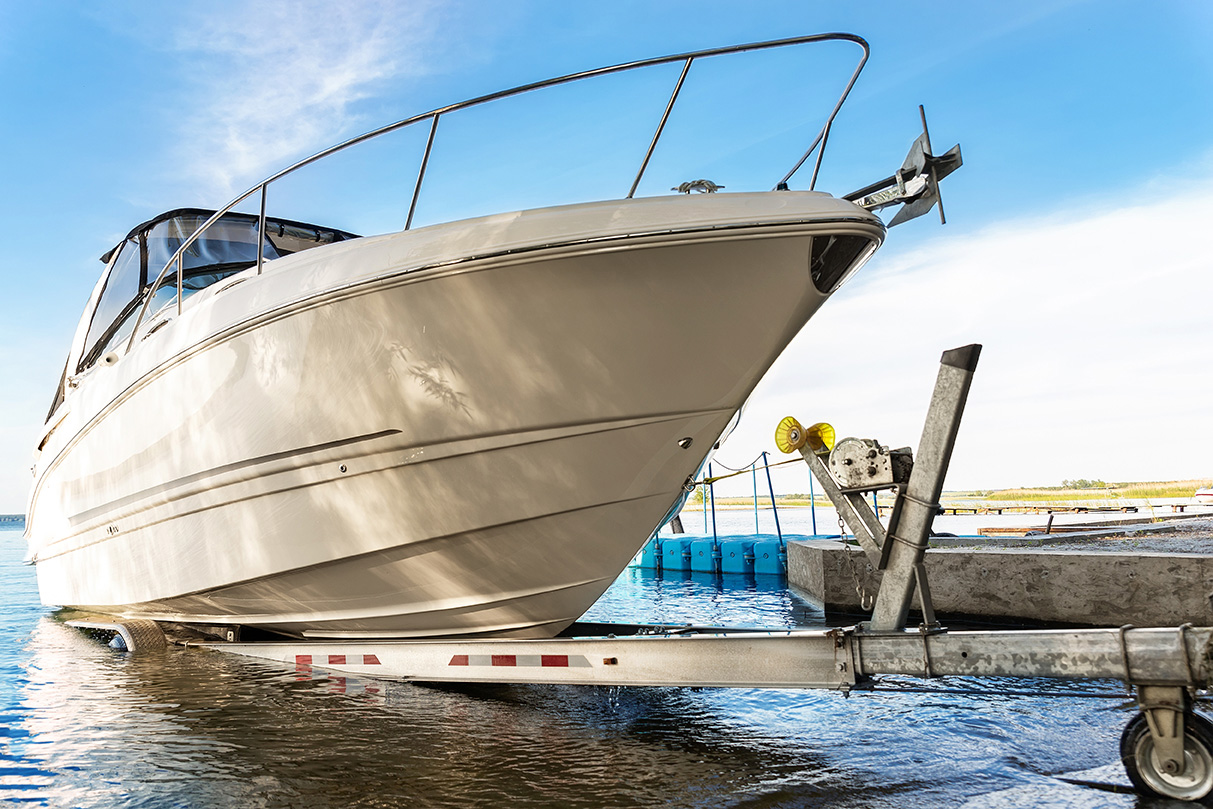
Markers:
(915, 185)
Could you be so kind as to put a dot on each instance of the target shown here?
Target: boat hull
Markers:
(472, 447)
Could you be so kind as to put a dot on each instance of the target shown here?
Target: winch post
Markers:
(906, 540)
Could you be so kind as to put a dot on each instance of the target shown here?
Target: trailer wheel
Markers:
(1146, 773)
(145, 635)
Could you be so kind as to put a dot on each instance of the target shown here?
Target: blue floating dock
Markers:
(770, 556)
(650, 555)
(675, 553)
(705, 555)
(755, 554)
(736, 556)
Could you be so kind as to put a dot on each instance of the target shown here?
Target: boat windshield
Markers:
(228, 246)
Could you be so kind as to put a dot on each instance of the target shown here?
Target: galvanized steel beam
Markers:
(1141, 657)
(907, 539)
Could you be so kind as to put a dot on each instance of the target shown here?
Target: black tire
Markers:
(1137, 754)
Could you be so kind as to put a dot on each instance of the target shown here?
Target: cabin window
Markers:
(59, 392)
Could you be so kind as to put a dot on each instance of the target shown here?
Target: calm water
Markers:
(82, 725)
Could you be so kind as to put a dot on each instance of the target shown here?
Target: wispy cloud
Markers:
(1095, 329)
(275, 81)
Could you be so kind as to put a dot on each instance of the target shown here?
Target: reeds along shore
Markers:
(993, 499)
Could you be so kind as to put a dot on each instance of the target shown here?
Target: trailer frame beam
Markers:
(836, 659)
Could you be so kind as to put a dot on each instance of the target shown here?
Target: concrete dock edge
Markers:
(1037, 585)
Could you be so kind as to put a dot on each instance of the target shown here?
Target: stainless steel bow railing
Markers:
(818, 144)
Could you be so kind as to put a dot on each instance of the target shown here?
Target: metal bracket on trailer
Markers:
(1164, 708)
(907, 537)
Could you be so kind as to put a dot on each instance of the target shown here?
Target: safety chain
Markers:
(745, 468)
(865, 599)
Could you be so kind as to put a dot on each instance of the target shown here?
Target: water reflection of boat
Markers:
(466, 428)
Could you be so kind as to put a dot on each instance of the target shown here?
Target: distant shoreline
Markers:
(1104, 494)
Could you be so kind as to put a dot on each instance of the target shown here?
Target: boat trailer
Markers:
(1167, 748)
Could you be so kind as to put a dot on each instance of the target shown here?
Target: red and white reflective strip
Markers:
(336, 660)
(523, 661)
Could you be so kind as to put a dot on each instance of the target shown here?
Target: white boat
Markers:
(1204, 495)
(465, 428)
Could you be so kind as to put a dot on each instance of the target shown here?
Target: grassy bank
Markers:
(1169, 489)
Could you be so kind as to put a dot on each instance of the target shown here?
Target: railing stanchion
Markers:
(425, 161)
(712, 496)
(812, 503)
(664, 117)
(771, 489)
(261, 230)
(754, 480)
(824, 134)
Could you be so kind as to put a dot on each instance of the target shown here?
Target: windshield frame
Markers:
(88, 346)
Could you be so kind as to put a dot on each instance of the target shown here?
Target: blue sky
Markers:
(1073, 252)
